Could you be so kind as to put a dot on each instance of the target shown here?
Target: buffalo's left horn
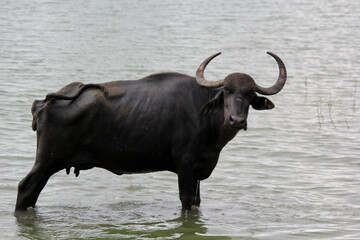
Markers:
(280, 81)
(200, 74)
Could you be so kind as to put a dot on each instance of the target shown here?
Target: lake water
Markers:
(295, 174)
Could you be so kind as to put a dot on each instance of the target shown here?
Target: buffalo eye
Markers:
(227, 90)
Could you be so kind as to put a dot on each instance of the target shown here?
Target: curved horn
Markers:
(280, 81)
(200, 74)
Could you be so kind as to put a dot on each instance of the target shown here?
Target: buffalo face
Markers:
(235, 98)
(237, 92)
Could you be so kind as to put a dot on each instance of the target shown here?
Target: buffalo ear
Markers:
(214, 105)
(262, 103)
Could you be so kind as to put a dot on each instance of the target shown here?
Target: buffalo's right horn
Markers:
(280, 81)
(200, 74)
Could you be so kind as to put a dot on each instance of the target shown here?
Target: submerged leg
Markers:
(30, 187)
(196, 192)
(32, 184)
(185, 192)
(185, 179)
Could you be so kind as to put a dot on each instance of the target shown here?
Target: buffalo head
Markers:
(237, 92)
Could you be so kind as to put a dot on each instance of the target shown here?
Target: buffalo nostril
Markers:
(231, 119)
(237, 121)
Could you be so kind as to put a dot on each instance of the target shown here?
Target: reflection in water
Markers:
(30, 224)
(78, 223)
(188, 226)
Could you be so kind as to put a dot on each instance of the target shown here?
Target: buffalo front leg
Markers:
(185, 179)
(196, 192)
(30, 187)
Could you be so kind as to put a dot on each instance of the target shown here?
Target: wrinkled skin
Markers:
(164, 122)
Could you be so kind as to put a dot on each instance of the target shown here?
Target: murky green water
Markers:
(295, 174)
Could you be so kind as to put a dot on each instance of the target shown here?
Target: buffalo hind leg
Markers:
(30, 187)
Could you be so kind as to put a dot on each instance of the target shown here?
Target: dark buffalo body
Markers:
(130, 128)
(166, 121)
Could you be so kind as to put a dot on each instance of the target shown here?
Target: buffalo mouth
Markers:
(236, 127)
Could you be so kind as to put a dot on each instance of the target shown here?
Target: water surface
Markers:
(295, 174)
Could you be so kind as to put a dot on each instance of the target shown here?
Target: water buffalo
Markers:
(165, 121)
